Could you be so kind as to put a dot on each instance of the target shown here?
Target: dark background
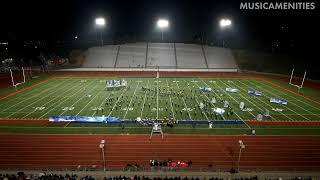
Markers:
(54, 24)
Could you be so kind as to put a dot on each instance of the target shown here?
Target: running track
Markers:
(69, 151)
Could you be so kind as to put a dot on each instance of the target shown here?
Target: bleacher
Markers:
(219, 57)
(101, 56)
(162, 55)
(190, 56)
(132, 55)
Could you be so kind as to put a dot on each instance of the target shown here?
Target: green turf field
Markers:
(176, 96)
(179, 98)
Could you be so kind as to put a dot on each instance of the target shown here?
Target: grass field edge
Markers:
(25, 88)
(289, 90)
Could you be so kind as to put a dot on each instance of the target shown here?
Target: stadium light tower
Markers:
(224, 24)
(100, 23)
(162, 24)
(242, 146)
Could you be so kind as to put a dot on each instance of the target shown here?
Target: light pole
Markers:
(162, 24)
(101, 146)
(224, 24)
(100, 23)
(242, 146)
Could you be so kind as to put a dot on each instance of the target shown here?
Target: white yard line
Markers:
(67, 124)
(196, 100)
(183, 101)
(125, 115)
(272, 87)
(104, 100)
(264, 90)
(170, 102)
(209, 99)
(117, 101)
(32, 103)
(90, 101)
(266, 103)
(84, 95)
(144, 100)
(43, 105)
(252, 102)
(157, 98)
(23, 94)
(36, 95)
(233, 99)
(80, 89)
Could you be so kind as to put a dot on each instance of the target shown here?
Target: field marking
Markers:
(170, 101)
(252, 102)
(317, 101)
(91, 98)
(144, 101)
(184, 101)
(80, 98)
(36, 95)
(196, 99)
(117, 101)
(259, 86)
(236, 102)
(209, 99)
(232, 98)
(103, 101)
(32, 102)
(65, 125)
(272, 87)
(24, 93)
(64, 99)
(266, 102)
(125, 115)
(43, 105)
(157, 99)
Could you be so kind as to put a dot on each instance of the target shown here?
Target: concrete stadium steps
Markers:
(190, 56)
(161, 54)
(132, 55)
(219, 57)
(104, 56)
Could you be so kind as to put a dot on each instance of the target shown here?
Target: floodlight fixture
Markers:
(100, 21)
(225, 22)
(163, 23)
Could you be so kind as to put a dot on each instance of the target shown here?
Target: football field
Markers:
(157, 98)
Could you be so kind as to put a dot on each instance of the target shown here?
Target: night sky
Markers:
(189, 19)
(293, 32)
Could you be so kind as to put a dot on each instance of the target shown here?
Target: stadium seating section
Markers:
(162, 55)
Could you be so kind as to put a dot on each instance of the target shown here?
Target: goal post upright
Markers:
(12, 78)
(24, 76)
(304, 77)
(299, 86)
(291, 76)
